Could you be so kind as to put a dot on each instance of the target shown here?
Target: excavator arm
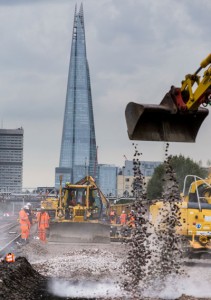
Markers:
(179, 115)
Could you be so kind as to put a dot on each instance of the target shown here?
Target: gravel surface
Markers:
(89, 271)
(93, 271)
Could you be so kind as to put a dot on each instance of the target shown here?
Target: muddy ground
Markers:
(88, 272)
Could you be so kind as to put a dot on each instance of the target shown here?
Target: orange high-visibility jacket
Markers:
(24, 219)
(132, 221)
(43, 220)
(123, 218)
(112, 213)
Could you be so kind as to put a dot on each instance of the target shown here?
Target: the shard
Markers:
(78, 156)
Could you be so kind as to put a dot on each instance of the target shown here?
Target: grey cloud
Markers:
(130, 38)
(30, 2)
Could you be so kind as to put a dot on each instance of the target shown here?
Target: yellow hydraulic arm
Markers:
(188, 98)
(60, 210)
(179, 115)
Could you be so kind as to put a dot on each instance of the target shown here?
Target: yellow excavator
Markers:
(79, 214)
(194, 214)
(178, 119)
(179, 115)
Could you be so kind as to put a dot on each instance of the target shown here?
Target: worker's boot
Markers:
(24, 241)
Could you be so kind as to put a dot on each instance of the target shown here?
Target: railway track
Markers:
(9, 247)
(9, 235)
(3, 226)
(7, 227)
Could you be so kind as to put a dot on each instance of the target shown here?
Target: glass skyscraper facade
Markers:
(78, 156)
(107, 179)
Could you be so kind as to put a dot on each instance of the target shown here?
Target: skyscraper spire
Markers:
(81, 13)
(78, 146)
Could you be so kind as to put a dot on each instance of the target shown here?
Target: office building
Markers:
(147, 168)
(11, 160)
(78, 155)
(126, 176)
(107, 179)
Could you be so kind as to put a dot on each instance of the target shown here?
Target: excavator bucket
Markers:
(163, 122)
(79, 232)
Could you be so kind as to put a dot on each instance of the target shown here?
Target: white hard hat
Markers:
(123, 211)
(26, 207)
(28, 204)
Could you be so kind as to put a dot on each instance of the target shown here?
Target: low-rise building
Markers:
(126, 176)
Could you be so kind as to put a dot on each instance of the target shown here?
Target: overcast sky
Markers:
(136, 50)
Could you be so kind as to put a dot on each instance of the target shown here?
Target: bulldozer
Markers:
(179, 116)
(194, 215)
(79, 214)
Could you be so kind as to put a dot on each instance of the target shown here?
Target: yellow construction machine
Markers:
(79, 213)
(179, 115)
(194, 214)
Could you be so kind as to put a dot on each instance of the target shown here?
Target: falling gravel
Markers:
(155, 249)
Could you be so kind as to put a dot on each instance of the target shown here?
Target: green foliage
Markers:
(182, 167)
(126, 200)
(154, 187)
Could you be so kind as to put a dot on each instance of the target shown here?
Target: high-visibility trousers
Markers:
(24, 231)
(42, 234)
(123, 219)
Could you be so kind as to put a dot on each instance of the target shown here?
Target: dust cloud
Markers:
(196, 283)
(87, 289)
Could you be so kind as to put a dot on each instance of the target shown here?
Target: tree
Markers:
(182, 167)
(208, 163)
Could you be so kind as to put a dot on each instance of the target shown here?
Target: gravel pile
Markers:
(18, 280)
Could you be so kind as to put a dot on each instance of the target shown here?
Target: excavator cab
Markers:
(178, 117)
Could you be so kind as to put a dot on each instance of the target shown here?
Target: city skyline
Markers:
(135, 52)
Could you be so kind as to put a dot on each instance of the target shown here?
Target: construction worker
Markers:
(43, 223)
(113, 216)
(123, 218)
(25, 224)
(131, 222)
(10, 257)
(29, 212)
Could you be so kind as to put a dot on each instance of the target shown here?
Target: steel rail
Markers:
(8, 245)
(7, 227)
